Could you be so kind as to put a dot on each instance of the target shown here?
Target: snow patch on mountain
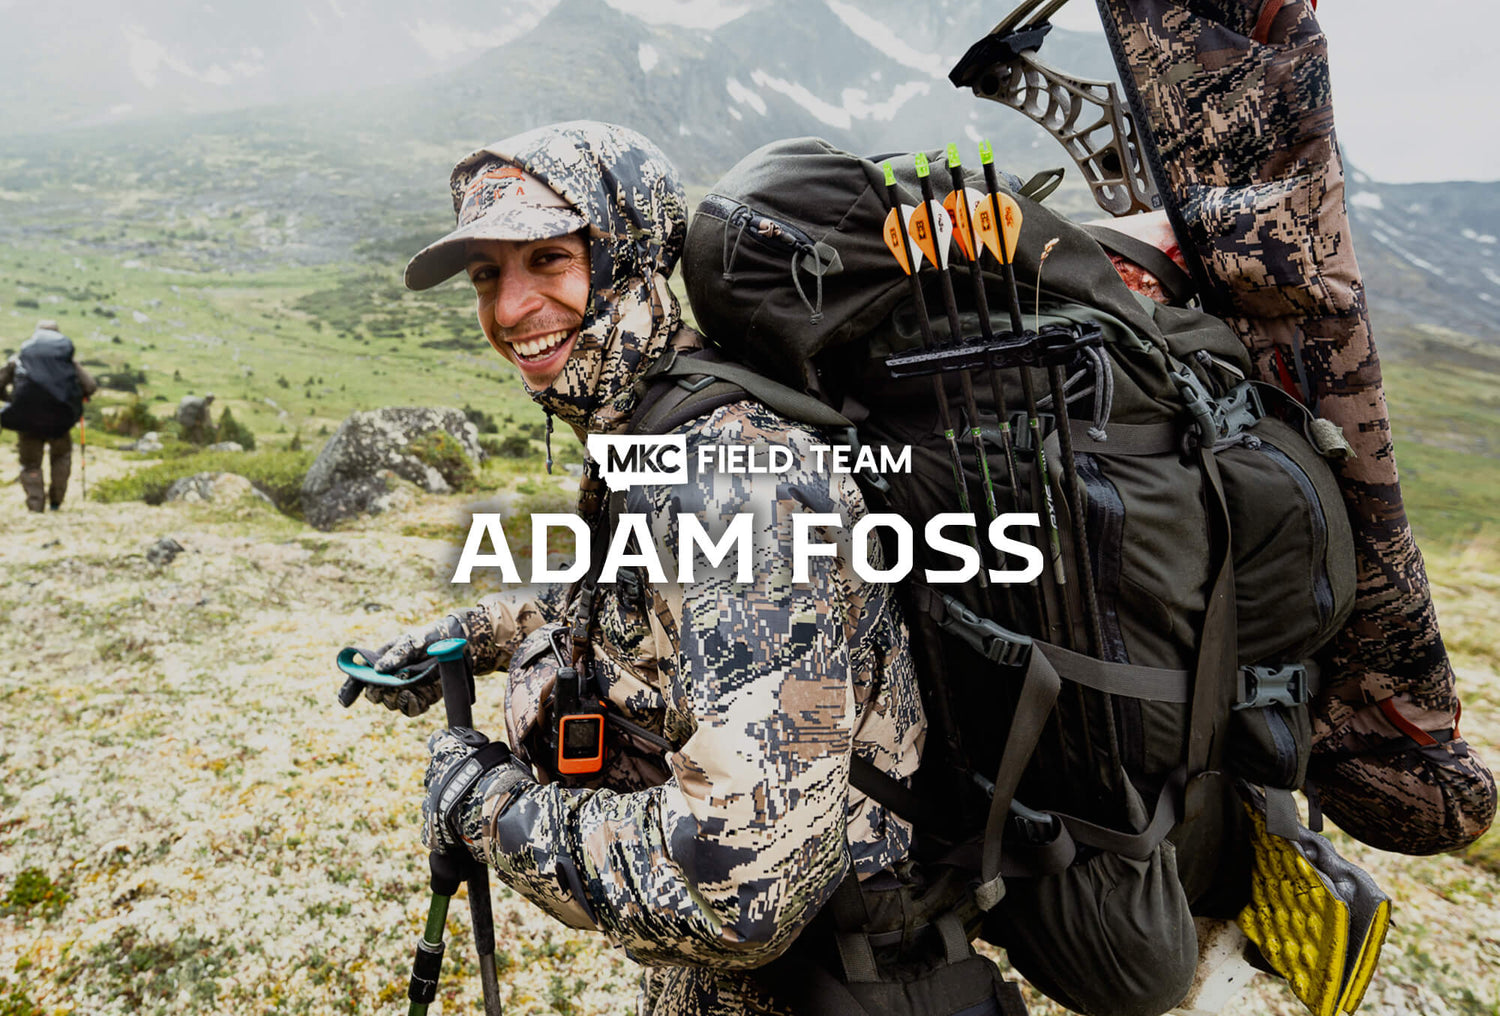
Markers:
(877, 34)
(744, 96)
(827, 112)
(854, 103)
(1405, 254)
(648, 57)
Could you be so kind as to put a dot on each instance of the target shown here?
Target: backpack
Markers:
(1089, 732)
(47, 398)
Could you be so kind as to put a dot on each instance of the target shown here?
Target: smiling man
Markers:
(528, 258)
(721, 818)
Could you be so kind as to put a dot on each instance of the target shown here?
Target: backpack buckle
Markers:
(985, 637)
(1217, 421)
(1238, 411)
(1262, 685)
(1035, 828)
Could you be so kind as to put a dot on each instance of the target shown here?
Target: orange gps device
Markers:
(580, 743)
(580, 718)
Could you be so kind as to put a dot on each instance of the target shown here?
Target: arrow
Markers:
(945, 417)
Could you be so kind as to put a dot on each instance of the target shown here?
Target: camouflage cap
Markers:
(622, 187)
(494, 200)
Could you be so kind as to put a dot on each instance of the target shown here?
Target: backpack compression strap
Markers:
(1177, 283)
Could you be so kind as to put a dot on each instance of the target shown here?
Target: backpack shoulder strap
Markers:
(704, 381)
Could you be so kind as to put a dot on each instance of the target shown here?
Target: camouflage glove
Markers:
(410, 649)
(466, 770)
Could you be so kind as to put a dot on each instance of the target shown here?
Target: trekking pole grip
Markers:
(458, 683)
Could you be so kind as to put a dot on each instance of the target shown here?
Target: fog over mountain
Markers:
(347, 114)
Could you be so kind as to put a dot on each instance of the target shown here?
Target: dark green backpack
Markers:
(1086, 731)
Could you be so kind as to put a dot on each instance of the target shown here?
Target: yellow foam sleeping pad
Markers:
(1318, 920)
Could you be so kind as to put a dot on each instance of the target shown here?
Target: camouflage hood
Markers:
(636, 210)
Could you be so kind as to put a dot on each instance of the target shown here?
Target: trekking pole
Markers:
(908, 256)
(1006, 228)
(448, 870)
(83, 455)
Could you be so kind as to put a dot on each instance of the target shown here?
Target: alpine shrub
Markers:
(515, 446)
(231, 429)
(277, 474)
(132, 420)
(485, 422)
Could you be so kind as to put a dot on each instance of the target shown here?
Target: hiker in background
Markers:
(195, 420)
(721, 825)
(46, 391)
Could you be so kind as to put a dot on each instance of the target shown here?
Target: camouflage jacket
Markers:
(713, 856)
(710, 857)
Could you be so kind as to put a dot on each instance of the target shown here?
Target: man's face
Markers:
(531, 297)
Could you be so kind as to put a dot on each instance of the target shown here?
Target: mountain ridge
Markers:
(362, 171)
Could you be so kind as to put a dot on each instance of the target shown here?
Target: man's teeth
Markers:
(539, 345)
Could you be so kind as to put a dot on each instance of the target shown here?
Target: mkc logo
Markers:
(627, 460)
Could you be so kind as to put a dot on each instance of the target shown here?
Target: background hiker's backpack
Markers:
(46, 397)
(1095, 771)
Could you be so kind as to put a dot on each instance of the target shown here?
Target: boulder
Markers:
(221, 487)
(163, 551)
(149, 442)
(225, 446)
(357, 471)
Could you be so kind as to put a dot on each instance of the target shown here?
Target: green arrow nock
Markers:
(953, 161)
(890, 173)
(921, 164)
(986, 153)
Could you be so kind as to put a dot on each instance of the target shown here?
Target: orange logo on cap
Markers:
(491, 186)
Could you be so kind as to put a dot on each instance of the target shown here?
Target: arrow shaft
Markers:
(945, 416)
(992, 192)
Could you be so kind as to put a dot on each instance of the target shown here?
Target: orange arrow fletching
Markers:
(892, 234)
(957, 206)
(997, 223)
(922, 231)
(1010, 224)
(987, 227)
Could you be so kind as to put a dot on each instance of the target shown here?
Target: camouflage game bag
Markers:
(46, 399)
(1233, 108)
(1089, 732)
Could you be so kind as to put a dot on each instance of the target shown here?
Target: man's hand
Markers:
(407, 650)
(467, 769)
